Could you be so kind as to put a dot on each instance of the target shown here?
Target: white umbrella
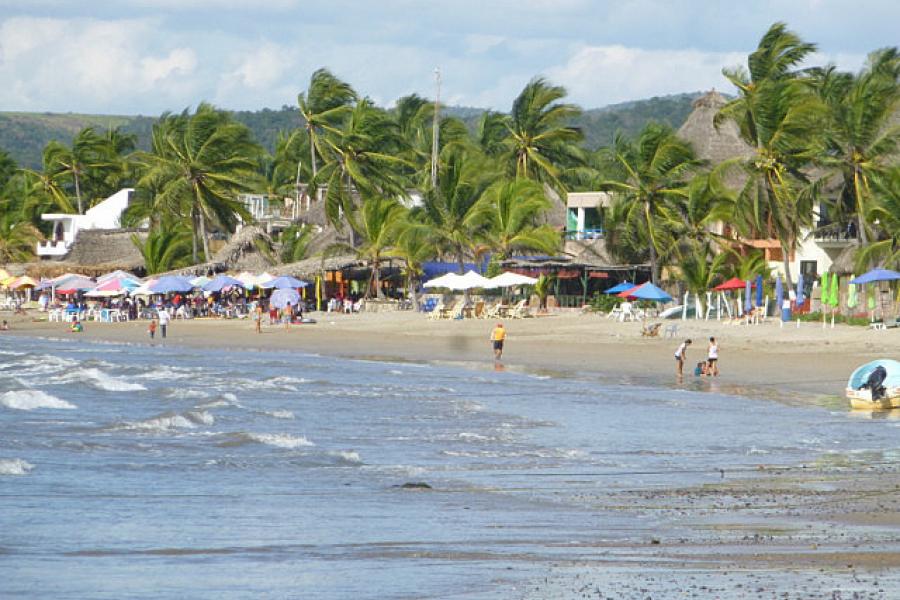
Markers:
(470, 280)
(510, 279)
(447, 280)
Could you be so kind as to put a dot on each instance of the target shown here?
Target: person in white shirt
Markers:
(163, 322)
(680, 357)
(712, 358)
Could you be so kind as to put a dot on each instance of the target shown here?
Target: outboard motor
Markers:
(875, 381)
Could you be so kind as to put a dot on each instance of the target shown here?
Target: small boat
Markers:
(880, 392)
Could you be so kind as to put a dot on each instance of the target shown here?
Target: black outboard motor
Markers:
(875, 381)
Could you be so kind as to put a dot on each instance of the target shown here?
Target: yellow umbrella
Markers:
(21, 282)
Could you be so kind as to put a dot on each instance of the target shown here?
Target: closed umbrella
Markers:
(759, 290)
(284, 296)
(852, 295)
(747, 300)
(824, 284)
(834, 291)
(800, 297)
(779, 299)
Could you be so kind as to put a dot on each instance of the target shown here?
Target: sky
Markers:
(149, 56)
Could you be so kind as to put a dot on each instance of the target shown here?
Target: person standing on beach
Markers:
(712, 368)
(680, 357)
(288, 316)
(163, 322)
(257, 316)
(151, 329)
(498, 336)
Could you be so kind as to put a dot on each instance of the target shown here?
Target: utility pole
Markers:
(296, 211)
(435, 129)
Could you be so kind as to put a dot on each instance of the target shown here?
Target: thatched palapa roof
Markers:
(317, 264)
(715, 144)
(250, 249)
(96, 252)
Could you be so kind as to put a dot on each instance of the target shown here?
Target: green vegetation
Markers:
(818, 136)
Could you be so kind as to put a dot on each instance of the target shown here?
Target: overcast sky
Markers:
(147, 56)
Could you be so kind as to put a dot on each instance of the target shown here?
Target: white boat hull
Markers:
(862, 399)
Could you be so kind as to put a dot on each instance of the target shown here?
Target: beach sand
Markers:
(838, 521)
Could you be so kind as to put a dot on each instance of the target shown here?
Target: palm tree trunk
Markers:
(194, 250)
(78, 191)
(654, 275)
(205, 237)
(376, 277)
(410, 285)
(860, 220)
(786, 256)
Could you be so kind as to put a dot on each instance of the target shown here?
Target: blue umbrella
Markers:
(284, 296)
(284, 282)
(876, 275)
(648, 291)
(625, 285)
(800, 297)
(220, 282)
(171, 283)
(779, 293)
(747, 301)
(759, 290)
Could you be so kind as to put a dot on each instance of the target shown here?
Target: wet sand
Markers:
(798, 531)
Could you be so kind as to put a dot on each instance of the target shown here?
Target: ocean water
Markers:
(161, 472)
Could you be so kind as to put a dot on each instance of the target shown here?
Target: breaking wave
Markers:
(168, 422)
(14, 466)
(278, 440)
(32, 399)
(100, 380)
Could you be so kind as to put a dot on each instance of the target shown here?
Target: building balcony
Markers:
(50, 248)
(835, 235)
(585, 234)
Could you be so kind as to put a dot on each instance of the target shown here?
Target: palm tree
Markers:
(886, 212)
(654, 171)
(18, 238)
(700, 270)
(295, 242)
(860, 140)
(198, 164)
(324, 105)
(509, 212)
(376, 222)
(540, 140)
(414, 245)
(777, 114)
(452, 211)
(362, 156)
(165, 248)
(88, 151)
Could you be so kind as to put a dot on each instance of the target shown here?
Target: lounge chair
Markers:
(520, 310)
(492, 312)
(650, 329)
(436, 312)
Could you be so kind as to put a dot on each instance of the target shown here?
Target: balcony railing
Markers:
(52, 248)
(835, 233)
(586, 234)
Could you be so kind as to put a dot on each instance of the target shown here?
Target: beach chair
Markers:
(650, 329)
(671, 330)
(447, 311)
(520, 311)
(478, 312)
(492, 311)
(435, 313)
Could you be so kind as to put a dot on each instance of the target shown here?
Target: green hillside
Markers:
(24, 135)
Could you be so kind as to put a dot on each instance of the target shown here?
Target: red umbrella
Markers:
(732, 284)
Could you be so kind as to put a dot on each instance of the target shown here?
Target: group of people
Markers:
(706, 368)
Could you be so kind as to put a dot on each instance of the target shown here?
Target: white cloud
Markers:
(599, 75)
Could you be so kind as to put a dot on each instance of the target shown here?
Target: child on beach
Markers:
(77, 327)
(700, 369)
(4, 326)
(498, 335)
(151, 329)
(680, 357)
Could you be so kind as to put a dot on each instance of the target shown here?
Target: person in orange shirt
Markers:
(498, 335)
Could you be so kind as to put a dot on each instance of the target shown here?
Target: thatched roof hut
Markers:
(311, 266)
(715, 144)
(845, 262)
(96, 252)
(250, 249)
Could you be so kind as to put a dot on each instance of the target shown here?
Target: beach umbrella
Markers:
(510, 279)
(71, 285)
(852, 295)
(470, 280)
(824, 285)
(284, 282)
(281, 297)
(112, 287)
(834, 291)
(647, 291)
(200, 281)
(877, 275)
(616, 289)
(800, 297)
(759, 290)
(171, 283)
(22, 282)
(119, 274)
(747, 300)
(732, 284)
(446, 280)
(779, 293)
(220, 282)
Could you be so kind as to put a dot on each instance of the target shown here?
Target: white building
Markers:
(105, 215)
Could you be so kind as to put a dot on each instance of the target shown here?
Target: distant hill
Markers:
(24, 135)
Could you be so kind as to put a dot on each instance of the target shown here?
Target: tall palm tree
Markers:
(165, 248)
(87, 152)
(886, 212)
(860, 140)
(541, 141)
(323, 106)
(451, 210)
(780, 116)
(414, 245)
(198, 164)
(18, 237)
(510, 212)
(654, 172)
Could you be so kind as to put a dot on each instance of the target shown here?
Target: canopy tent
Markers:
(647, 291)
(732, 284)
(876, 275)
(284, 296)
(625, 285)
(171, 283)
(284, 282)
(510, 279)
(470, 280)
(220, 282)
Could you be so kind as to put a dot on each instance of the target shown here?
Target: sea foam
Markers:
(279, 440)
(14, 466)
(100, 380)
(32, 399)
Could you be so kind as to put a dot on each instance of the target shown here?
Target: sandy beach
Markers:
(754, 530)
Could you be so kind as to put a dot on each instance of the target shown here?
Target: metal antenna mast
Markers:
(435, 129)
